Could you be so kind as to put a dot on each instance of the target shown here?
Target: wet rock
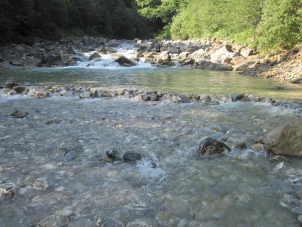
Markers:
(224, 67)
(40, 183)
(41, 94)
(132, 156)
(188, 62)
(112, 153)
(299, 194)
(113, 223)
(70, 156)
(298, 210)
(174, 99)
(19, 89)
(7, 191)
(50, 221)
(210, 146)
(300, 219)
(20, 114)
(94, 55)
(85, 95)
(10, 85)
(257, 147)
(285, 139)
(238, 143)
(52, 59)
(123, 61)
(153, 97)
(237, 97)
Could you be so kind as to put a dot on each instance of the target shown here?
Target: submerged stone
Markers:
(132, 156)
(210, 146)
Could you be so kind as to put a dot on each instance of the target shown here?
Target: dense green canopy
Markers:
(271, 23)
(56, 18)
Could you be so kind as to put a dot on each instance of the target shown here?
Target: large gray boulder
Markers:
(285, 139)
(52, 59)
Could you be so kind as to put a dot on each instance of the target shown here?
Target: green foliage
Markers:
(52, 19)
(165, 33)
(163, 9)
(281, 24)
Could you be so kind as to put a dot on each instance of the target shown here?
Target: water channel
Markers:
(53, 157)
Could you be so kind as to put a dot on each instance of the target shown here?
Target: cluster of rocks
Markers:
(280, 67)
(211, 54)
(44, 53)
(12, 88)
(290, 201)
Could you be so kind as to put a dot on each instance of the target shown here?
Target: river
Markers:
(55, 157)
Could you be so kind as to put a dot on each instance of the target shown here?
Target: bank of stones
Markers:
(140, 95)
(206, 53)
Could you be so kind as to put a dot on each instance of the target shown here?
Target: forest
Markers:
(21, 20)
(262, 24)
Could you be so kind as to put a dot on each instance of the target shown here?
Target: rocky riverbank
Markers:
(281, 67)
(211, 54)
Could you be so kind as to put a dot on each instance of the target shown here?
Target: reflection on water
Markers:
(191, 81)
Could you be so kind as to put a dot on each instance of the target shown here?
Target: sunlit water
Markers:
(242, 188)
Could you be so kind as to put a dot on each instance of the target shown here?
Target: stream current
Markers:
(54, 157)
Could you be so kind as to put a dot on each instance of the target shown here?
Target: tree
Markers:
(281, 24)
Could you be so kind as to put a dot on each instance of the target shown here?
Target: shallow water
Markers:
(184, 189)
(53, 157)
(185, 81)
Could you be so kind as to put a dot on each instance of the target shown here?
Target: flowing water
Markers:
(54, 157)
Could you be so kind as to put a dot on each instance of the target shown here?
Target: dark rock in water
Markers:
(153, 97)
(237, 97)
(70, 156)
(10, 85)
(94, 55)
(19, 114)
(122, 60)
(210, 146)
(131, 156)
(113, 223)
(111, 153)
(19, 89)
(285, 139)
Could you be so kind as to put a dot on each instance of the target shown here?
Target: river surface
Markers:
(54, 157)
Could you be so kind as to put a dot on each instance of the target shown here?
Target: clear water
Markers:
(191, 81)
(242, 188)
